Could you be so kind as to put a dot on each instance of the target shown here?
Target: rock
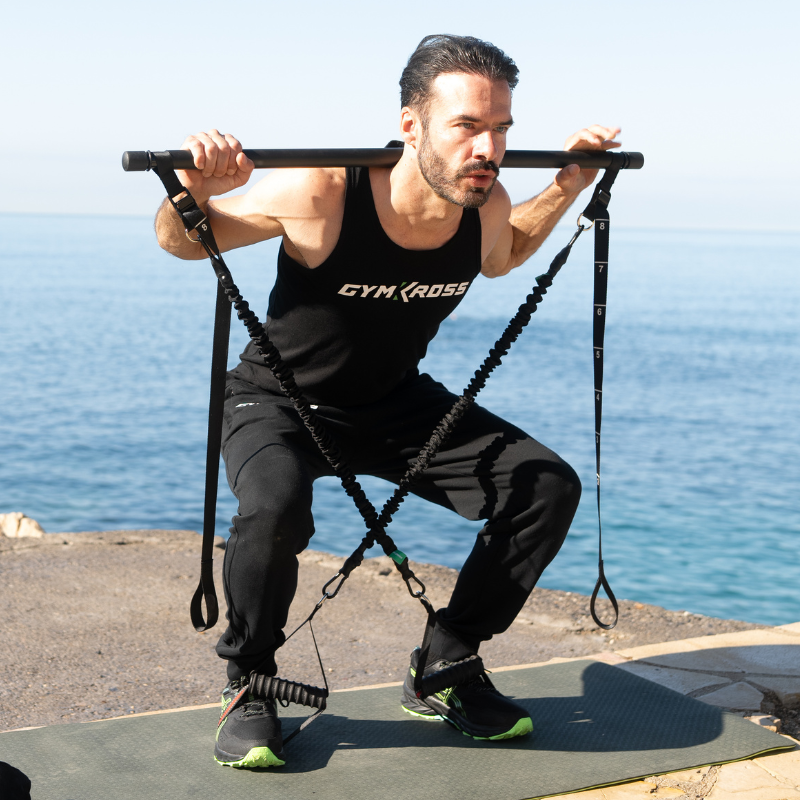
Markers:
(16, 525)
(766, 721)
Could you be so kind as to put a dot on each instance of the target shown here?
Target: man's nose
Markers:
(484, 147)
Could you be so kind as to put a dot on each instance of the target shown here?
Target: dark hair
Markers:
(444, 53)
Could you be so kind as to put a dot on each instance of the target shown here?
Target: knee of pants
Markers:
(275, 493)
(547, 492)
(565, 490)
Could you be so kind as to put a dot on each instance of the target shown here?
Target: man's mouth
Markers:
(486, 169)
(481, 178)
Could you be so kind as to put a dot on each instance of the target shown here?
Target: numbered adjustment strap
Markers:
(597, 212)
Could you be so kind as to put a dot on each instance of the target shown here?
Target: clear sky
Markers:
(706, 90)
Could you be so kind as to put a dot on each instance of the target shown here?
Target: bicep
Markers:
(499, 260)
(497, 234)
(292, 202)
(241, 220)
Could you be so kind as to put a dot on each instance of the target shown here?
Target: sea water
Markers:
(104, 372)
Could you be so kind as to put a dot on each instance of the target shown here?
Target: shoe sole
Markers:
(521, 727)
(258, 757)
(430, 716)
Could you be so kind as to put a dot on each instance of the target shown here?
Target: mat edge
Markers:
(759, 754)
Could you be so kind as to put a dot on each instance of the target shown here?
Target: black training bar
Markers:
(143, 160)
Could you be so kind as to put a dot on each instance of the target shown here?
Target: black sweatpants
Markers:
(488, 470)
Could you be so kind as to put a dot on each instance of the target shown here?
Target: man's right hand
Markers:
(309, 201)
(221, 165)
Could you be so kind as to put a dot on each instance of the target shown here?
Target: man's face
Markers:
(464, 137)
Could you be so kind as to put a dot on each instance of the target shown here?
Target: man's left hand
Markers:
(573, 179)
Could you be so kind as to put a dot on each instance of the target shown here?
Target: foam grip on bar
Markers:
(272, 688)
(460, 672)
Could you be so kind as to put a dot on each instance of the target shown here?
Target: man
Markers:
(371, 261)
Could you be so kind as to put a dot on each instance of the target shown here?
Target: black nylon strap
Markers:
(597, 210)
(193, 217)
(216, 401)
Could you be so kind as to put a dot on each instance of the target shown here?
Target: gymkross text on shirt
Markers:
(407, 291)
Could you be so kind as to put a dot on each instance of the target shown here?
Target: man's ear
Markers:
(411, 126)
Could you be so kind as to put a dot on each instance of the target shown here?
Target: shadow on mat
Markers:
(616, 712)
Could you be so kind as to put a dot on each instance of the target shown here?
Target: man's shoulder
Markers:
(497, 209)
(316, 192)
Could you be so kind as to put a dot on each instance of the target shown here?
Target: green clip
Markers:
(398, 557)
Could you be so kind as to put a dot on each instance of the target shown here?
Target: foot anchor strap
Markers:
(269, 687)
(459, 672)
(285, 692)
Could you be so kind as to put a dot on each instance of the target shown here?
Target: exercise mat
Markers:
(594, 725)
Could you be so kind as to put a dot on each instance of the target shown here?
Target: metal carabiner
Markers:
(326, 595)
(420, 593)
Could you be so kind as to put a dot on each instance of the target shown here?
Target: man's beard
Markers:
(434, 169)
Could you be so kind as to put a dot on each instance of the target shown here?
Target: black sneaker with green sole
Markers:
(476, 708)
(249, 731)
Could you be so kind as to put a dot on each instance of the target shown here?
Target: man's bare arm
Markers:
(221, 168)
(530, 223)
(305, 206)
(236, 222)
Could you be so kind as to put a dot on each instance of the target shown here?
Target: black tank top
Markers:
(356, 326)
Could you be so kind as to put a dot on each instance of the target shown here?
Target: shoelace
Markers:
(254, 708)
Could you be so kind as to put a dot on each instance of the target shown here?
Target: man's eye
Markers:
(502, 129)
(466, 125)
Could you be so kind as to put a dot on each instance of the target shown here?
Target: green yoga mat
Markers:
(593, 725)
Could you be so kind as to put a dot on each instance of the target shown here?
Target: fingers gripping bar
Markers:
(144, 160)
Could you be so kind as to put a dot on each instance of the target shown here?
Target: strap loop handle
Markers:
(597, 212)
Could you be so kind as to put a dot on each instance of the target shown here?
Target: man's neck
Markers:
(411, 213)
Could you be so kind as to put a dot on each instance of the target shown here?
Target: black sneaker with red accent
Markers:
(249, 731)
(475, 707)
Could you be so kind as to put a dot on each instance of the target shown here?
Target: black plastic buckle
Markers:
(603, 196)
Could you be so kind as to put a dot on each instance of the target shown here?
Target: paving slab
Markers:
(767, 653)
(747, 780)
(738, 697)
(787, 689)
(792, 627)
(683, 681)
(652, 652)
(784, 766)
(628, 791)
